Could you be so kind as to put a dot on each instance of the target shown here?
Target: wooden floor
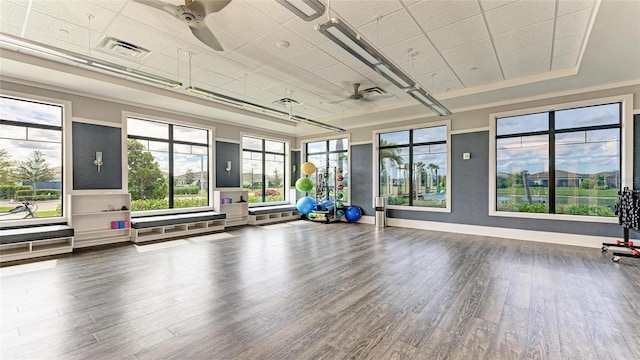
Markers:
(316, 291)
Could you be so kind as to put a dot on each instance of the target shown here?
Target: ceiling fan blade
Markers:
(202, 33)
(168, 8)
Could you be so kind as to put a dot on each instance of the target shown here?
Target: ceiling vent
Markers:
(123, 49)
(286, 102)
(374, 90)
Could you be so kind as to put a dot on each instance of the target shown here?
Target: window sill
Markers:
(419, 208)
(273, 203)
(561, 217)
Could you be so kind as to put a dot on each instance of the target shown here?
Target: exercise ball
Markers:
(340, 177)
(305, 205)
(308, 168)
(304, 184)
(340, 187)
(339, 170)
(328, 205)
(353, 213)
(340, 205)
(340, 213)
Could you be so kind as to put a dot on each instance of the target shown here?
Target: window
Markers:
(263, 169)
(168, 165)
(30, 159)
(559, 162)
(331, 153)
(413, 167)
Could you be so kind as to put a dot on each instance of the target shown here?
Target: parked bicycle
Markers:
(27, 207)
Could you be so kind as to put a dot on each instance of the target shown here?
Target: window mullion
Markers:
(552, 162)
(411, 194)
(171, 175)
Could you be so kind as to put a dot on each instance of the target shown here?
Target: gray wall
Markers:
(470, 200)
(360, 178)
(636, 152)
(226, 151)
(87, 139)
(295, 162)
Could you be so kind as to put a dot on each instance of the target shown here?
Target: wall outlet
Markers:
(93, 223)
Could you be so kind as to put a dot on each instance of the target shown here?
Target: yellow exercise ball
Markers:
(308, 168)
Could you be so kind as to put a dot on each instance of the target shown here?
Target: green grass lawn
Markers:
(561, 191)
(50, 213)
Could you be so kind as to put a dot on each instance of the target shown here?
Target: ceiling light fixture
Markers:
(307, 10)
(34, 47)
(427, 100)
(259, 108)
(341, 34)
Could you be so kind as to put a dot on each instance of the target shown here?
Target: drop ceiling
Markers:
(465, 53)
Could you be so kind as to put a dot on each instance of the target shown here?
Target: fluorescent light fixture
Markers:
(394, 75)
(341, 34)
(307, 10)
(259, 108)
(428, 101)
(34, 47)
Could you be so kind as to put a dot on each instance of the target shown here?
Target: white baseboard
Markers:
(367, 220)
(516, 234)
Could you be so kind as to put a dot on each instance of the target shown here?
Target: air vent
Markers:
(122, 49)
(286, 102)
(374, 90)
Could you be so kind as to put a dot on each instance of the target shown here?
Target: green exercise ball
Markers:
(304, 184)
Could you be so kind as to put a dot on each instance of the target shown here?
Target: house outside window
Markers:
(31, 159)
(263, 169)
(565, 161)
(168, 165)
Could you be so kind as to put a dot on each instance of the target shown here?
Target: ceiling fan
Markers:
(193, 13)
(361, 95)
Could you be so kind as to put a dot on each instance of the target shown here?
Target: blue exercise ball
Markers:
(305, 205)
(353, 213)
(340, 213)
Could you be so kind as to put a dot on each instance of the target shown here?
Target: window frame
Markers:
(287, 167)
(305, 154)
(171, 122)
(66, 157)
(626, 153)
(377, 170)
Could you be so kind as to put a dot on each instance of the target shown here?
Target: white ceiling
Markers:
(465, 52)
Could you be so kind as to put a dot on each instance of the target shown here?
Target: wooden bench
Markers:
(150, 228)
(270, 214)
(19, 243)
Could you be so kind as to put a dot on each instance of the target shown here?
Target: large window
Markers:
(413, 167)
(331, 153)
(168, 165)
(30, 159)
(263, 169)
(559, 162)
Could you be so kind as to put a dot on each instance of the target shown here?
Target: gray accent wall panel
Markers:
(226, 151)
(295, 163)
(470, 197)
(636, 152)
(360, 180)
(87, 140)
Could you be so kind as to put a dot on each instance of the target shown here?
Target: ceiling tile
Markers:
(525, 55)
(313, 59)
(518, 15)
(297, 45)
(358, 13)
(339, 73)
(260, 80)
(240, 88)
(58, 29)
(285, 70)
(574, 23)
(469, 52)
(409, 2)
(273, 10)
(446, 86)
(334, 50)
(169, 63)
(564, 61)
(487, 71)
(306, 29)
(424, 65)
(76, 12)
(160, 21)
(460, 33)
(12, 14)
(228, 41)
(210, 80)
(242, 20)
(419, 45)
(358, 66)
(525, 37)
(10, 29)
(568, 45)
(492, 4)
(567, 7)
(432, 15)
(390, 29)
(139, 33)
(113, 5)
(437, 79)
(532, 68)
(254, 57)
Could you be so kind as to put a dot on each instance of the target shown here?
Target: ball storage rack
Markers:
(628, 211)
